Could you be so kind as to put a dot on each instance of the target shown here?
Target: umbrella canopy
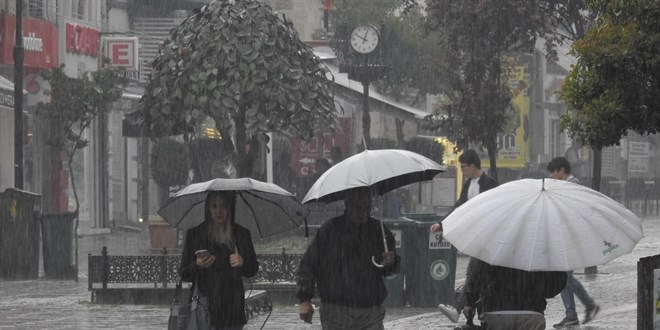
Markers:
(264, 208)
(382, 170)
(543, 224)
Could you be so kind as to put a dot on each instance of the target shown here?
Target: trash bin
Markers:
(434, 264)
(402, 230)
(57, 240)
(19, 234)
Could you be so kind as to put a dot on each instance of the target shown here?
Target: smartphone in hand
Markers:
(202, 253)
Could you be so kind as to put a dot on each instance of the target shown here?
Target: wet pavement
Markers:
(49, 304)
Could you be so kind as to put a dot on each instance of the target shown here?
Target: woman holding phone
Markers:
(216, 255)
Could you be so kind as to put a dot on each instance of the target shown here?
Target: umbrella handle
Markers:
(373, 258)
(373, 261)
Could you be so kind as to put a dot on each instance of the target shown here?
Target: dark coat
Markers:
(486, 182)
(222, 284)
(498, 288)
(338, 261)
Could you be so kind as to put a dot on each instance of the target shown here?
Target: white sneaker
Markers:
(450, 312)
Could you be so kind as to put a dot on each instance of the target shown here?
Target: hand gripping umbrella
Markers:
(381, 170)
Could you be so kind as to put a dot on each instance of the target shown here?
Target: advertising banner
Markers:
(39, 42)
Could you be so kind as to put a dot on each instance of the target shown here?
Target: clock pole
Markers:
(366, 117)
(364, 40)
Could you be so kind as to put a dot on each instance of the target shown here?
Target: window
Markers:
(35, 8)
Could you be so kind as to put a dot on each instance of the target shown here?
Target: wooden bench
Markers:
(151, 279)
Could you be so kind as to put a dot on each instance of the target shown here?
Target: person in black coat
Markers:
(339, 263)
(509, 298)
(231, 256)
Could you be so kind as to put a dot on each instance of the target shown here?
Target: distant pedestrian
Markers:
(338, 263)
(476, 182)
(560, 169)
(216, 256)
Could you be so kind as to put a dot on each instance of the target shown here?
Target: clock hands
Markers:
(364, 39)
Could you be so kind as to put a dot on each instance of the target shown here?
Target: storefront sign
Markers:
(39, 42)
(82, 40)
(123, 53)
(6, 98)
(305, 153)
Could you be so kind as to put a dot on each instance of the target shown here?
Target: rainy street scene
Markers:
(329, 164)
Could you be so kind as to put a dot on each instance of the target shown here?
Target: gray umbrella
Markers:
(264, 208)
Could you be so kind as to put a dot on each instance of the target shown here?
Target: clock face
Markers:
(364, 39)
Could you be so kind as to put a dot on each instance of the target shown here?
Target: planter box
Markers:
(162, 235)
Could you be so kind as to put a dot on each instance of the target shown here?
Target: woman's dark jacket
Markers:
(222, 284)
(498, 288)
(338, 261)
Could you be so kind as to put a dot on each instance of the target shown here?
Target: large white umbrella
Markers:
(543, 225)
(383, 170)
(264, 208)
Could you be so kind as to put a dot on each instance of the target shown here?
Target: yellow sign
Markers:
(12, 209)
(513, 144)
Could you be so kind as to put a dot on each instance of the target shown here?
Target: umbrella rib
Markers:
(188, 211)
(268, 201)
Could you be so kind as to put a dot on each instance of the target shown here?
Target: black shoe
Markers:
(590, 313)
(565, 323)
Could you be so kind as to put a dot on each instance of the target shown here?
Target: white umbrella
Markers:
(382, 170)
(264, 208)
(543, 225)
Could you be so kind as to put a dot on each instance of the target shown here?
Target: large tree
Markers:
(74, 104)
(481, 36)
(243, 66)
(481, 33)
(615, 85)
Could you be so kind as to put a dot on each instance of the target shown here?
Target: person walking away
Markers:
(508, 298)
(339, 263)
(560, 169)
(216, 255)
(476, 182)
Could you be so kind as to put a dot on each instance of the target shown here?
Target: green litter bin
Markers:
(57, 239)
(434, 263)
(402, 230)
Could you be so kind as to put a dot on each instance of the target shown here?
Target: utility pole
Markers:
(18, 98)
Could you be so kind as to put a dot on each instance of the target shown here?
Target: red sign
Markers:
(122, 52)
(39, 42)
(82, 40)
(305, 153)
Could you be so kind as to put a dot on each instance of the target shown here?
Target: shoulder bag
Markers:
(191, 316)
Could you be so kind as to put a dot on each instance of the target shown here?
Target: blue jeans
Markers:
(574, 288)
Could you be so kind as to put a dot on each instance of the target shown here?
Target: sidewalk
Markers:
(46, 304)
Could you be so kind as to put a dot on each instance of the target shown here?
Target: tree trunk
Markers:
(597, 154)
(492, 156)
(399, 132)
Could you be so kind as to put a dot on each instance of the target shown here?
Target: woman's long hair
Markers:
(230, 200)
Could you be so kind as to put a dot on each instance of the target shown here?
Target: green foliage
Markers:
(170, 163)
(75, 102)
(242, 65)
(426, 147)
(615, 85)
